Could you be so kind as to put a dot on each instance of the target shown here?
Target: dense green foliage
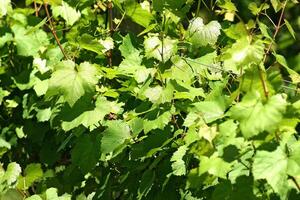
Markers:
(153, 99)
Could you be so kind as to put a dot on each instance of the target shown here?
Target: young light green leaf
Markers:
(5, 6)
(243, 53)
(178, 164)
(161, 50)
(33, 172)
(201, 35)
(68, 13)
(29, 44)
(12, 173)
(293, 74)
(255, 117)
(72, 81)
(290, 28)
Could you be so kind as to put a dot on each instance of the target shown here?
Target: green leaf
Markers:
(7, 37)
(72, 81)
(255, 117)
(214, 166)
(275, 167)
(29, 44)
(139, 15)
(293, 74)
(243, 53)
(68, 13)
(86, 152)
(132, 64)
(43, 114)
(201, 35)
(159, 122)
(160, 50)
(34, 197)
(276, 4)
(114, 136)
(5, 6)
(12, 173)
(146, 183)
(127, 49)
(209, 110)
(33, 173)
(51, 194)
(91, 118)
(178, 164)
(290, 28)
(88, 42)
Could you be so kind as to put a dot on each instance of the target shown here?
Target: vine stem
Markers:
(277, 28)
(36, 8)
(53, 31)
(111, 28)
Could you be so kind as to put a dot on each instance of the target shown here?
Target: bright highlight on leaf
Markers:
(72, 81)
(201, 35)
(256, 117)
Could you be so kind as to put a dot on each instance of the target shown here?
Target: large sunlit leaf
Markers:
(72, 81)
(200, 34)
(243, 53)
(255, 117)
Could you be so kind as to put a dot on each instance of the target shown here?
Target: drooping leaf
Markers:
(87, 42)
(139, 15)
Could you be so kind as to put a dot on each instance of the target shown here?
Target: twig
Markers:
(36, 8)
(53, 31)
(295, 182)
(261, 74)
(111, 29)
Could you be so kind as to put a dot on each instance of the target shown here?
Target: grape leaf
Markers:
(68, 13)
(29, 44)
(114, 136)
(255, 117)
(86, 152)
(72, 81)
(33, 172)
(91, 118)
(160, 50)
(243, 53)
(5, 7)
(201, 35)
(275, 167)
(178, 164)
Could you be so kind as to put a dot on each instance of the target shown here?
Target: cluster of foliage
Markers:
(152, 99)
